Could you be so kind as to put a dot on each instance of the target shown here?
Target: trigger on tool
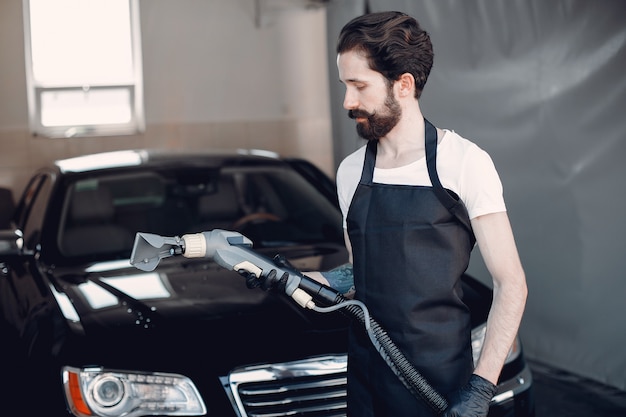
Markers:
(250, 267)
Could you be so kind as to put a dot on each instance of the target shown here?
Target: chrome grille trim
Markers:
(313, 387)
(514, 386)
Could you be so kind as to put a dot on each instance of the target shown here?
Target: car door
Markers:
(22, 288)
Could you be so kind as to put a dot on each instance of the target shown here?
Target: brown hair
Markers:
(393, 43)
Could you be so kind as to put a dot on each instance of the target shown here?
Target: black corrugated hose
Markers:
(391, 354)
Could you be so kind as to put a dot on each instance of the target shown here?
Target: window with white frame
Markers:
(83, 67)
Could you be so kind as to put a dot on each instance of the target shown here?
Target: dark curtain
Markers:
(541, 86)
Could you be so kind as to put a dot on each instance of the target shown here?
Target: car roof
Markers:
(157, 157)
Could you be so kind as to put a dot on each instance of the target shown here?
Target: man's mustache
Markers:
(353, 114)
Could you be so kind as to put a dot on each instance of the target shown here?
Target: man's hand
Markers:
(472, 400)
(271, 280)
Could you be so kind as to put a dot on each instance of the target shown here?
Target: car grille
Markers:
(314, 387)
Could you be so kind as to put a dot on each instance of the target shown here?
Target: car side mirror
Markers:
(11, 242)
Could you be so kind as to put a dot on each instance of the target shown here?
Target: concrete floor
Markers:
(561, 394)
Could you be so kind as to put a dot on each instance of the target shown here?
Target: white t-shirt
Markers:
(462, 167)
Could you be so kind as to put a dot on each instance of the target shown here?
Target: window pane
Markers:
(78, 42)
(83, 72)
(92, 107)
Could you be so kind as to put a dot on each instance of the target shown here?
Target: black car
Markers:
(83, 331)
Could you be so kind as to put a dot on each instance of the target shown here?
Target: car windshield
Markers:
(271, 205)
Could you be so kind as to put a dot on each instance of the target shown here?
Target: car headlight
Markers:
(107, 393)
(478, 339)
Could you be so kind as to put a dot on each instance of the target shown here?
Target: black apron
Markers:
(410, 244)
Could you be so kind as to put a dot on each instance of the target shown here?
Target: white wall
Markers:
(213, 77)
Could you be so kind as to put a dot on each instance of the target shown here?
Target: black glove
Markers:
(472, 400)
(285, 265)
(271, 280)
(251, 280)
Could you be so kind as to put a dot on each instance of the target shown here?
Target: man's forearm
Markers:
(340, 278)
(502, 327)
(497, 247)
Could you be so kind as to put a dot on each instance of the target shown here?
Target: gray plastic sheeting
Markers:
(540, 85)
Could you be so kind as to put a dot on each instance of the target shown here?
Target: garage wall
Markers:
(217, 73)
(540, 85)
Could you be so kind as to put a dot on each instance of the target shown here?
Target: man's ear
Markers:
(406, 85)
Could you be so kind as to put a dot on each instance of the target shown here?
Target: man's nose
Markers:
(350, 101)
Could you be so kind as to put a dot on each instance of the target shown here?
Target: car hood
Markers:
(110, 306)
(114, 294)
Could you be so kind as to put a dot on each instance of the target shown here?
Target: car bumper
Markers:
(317, 384)
(514, 397)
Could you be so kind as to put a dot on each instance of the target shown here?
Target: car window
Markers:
(322, 182)
(271, 205)
(33, 209)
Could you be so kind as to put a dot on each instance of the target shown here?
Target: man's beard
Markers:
(378, 125)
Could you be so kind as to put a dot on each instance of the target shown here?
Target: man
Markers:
(409, 242)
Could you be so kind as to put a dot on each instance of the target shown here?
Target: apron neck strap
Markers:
(453, 205)
(431, 156)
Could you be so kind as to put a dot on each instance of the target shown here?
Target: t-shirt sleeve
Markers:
(342, 194)
(480, 187)
(348, 176)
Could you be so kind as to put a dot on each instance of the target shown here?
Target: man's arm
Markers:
(340, 278)
(497, 247)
